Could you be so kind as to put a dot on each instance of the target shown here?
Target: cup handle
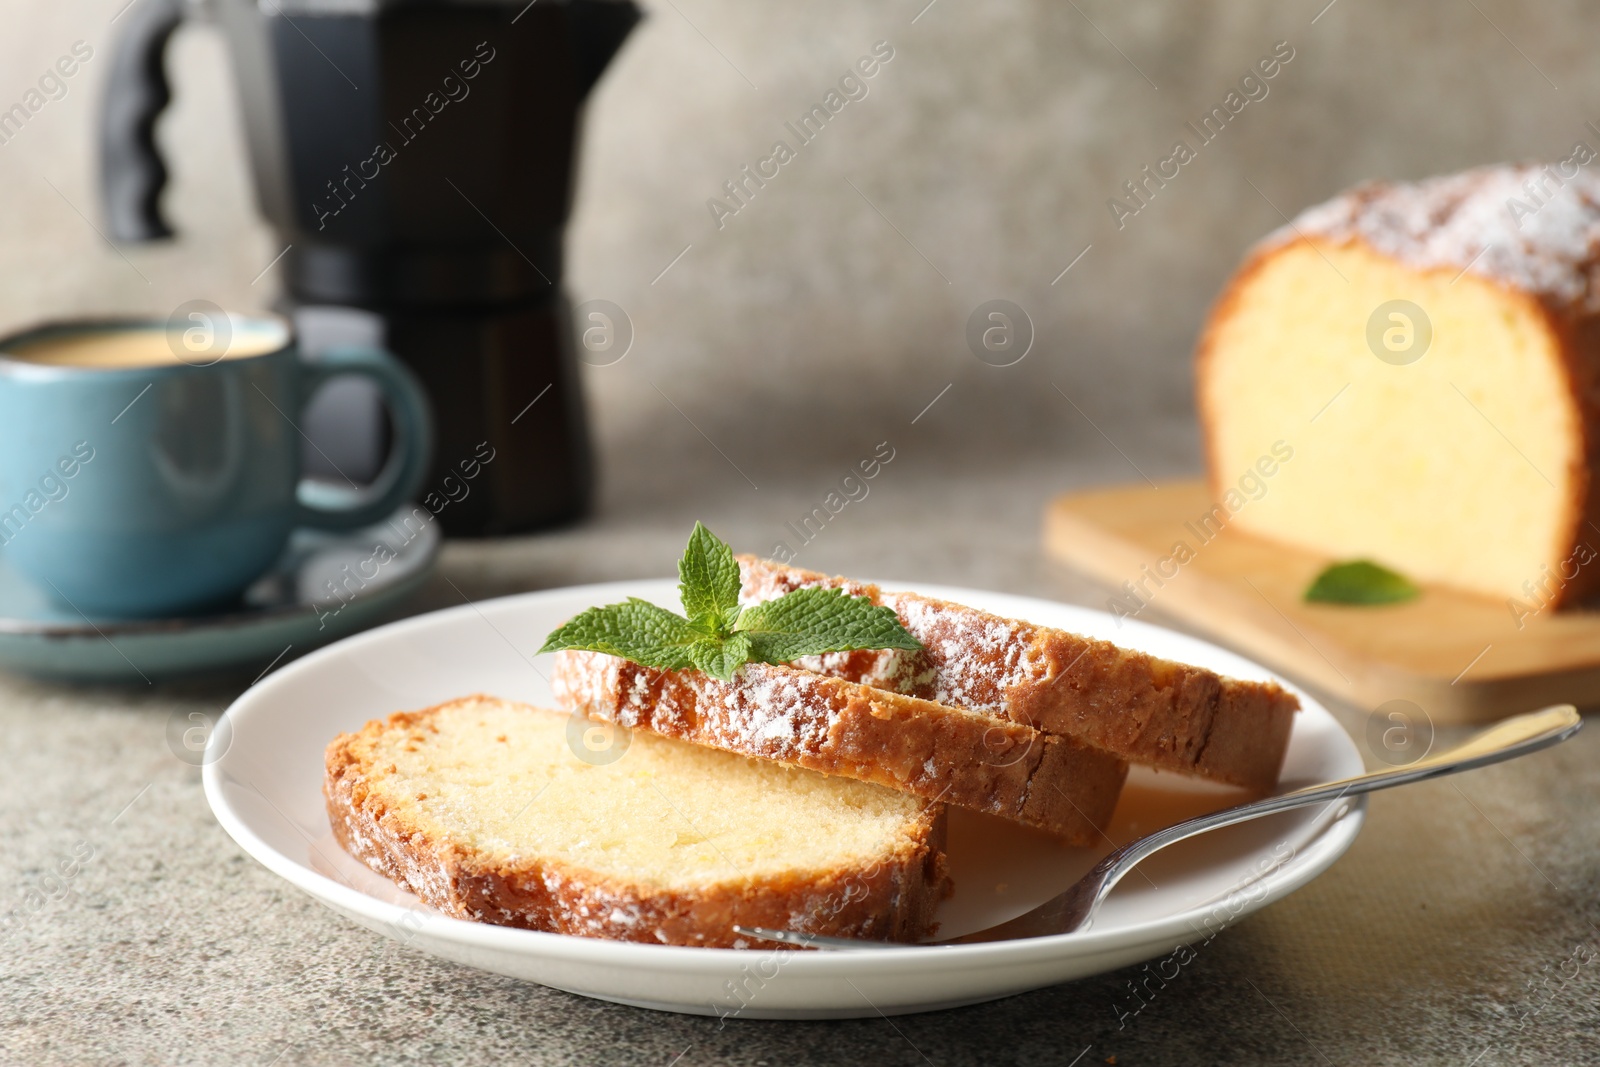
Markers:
(332, 507)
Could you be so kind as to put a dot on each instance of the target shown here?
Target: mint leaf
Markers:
(708, 581)
(721, 657)
(1360, 582)
(810, 621)
(717, 637)
(636, 630)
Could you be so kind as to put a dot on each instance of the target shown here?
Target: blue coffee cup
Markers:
(148, 469)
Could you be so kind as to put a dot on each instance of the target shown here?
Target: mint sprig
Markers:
(809, 622)
(708, 581)
(1360, 582)
(635, 629)
(715, 635)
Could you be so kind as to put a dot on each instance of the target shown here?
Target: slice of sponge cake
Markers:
(1134, 706)
(485, 810)
(1429, 353)
(838, 727)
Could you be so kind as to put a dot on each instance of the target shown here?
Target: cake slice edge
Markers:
(839, 727)
(893, 897)
(1135, 706)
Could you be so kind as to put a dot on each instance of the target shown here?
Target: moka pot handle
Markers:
(132, 173)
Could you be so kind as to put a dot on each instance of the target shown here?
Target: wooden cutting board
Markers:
(1458, 657)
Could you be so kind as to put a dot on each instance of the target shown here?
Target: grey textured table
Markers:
(823, 319)
(1459, 926)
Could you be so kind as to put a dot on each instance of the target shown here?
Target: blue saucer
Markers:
(324, 586)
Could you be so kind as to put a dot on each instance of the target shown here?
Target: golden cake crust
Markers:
(1135, 706)
(839, 727)
(893, 898)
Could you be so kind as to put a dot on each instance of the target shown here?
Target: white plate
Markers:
(264, 783)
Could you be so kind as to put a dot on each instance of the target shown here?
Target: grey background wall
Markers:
(825, 315)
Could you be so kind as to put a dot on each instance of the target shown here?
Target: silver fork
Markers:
(1074, 909)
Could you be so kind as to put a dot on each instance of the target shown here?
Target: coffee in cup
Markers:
(150, 468)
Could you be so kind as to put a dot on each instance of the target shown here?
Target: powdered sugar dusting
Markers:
(776, 712)
(765, 580)
(1528, 227)
(970, 659)
(892, 669)
(976, 657)
(588, 680)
